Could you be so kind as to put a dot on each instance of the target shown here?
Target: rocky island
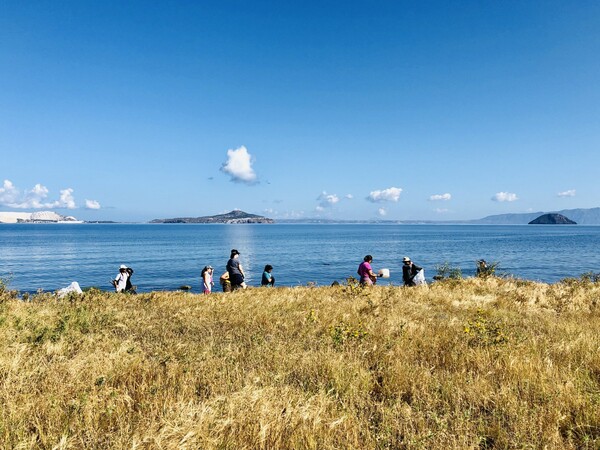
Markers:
(235, 216)
(552, 219)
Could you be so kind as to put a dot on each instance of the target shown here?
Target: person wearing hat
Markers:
(120, 281)
(409, 270)
(207, 279)
(482, 268)
(236, 271)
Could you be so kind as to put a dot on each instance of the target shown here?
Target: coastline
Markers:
(166, 257)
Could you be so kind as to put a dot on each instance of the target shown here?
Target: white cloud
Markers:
(36, 198)
(66, 199)
(271, 212)
(320, 209)
(92, 204)
(569, 193)
(349, 196)
(327, 200)
(8, 193)
(437, 197)
(292, 214)
(441, 210)
(239, 166)
(387, 195)
(382, 212)
(505, 197)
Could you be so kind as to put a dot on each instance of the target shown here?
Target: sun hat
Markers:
(209, 267)
(406, 259)
(123, 266)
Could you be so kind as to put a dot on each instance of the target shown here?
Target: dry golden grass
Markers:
(463, 364)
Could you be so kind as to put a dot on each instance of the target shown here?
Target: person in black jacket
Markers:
(128, 286)
(482, 268)
(409, 270)
(236, 271)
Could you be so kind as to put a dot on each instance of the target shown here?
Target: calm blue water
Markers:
(164, 257)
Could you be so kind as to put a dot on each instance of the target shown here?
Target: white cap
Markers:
(123, 266)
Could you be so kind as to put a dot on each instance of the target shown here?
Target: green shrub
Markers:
(446, 271)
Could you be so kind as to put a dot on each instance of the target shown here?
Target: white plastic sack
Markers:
(73, 287)
(419, 278)
(384, 273)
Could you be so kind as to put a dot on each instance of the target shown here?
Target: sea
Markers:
(47, 257)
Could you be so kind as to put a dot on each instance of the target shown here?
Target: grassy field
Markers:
(461, 364)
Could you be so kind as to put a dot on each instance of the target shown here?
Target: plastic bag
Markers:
(73, 287)
(384, 273)
(419, 278)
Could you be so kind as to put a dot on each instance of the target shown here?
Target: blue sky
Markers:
(350, 110)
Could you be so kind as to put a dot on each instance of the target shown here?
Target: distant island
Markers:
(552, 219)
(235, 216)
(583, 216)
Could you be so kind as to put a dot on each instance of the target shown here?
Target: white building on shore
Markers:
(36, 217)
(13, 217)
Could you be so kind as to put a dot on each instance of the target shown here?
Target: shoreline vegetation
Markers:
(474, 363)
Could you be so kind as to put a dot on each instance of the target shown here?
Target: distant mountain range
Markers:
(589, 216)
(583, 216)
(235, 216)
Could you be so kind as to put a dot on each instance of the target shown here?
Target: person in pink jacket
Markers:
(365, 272)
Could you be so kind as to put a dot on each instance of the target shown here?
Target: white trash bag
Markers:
(384, 273)
(419, 278)
(73, 287)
